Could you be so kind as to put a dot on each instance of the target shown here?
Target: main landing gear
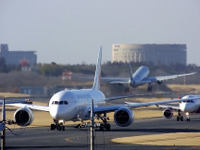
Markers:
(149, 88)
(105, 125)
(127, 89)
(102, 126)
(58, 126)
(180, 116)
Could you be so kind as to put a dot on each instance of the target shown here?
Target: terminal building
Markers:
(15, 57)
(157, 54)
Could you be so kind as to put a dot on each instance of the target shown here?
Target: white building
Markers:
(164, 54)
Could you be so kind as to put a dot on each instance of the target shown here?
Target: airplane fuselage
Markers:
(74, 104)
(140, 74)
(191, 106)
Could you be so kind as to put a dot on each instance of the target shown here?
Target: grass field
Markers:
(189, 88)
(168, 139)
(8, 95)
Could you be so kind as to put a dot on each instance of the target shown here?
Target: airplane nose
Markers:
(182, 106)
(187, 108)
(56, 113)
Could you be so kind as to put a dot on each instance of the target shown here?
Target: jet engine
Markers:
(23, 116)
(168, 113)
(123, 116)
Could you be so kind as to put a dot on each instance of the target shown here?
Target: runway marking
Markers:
(75, 137)
(178, 139)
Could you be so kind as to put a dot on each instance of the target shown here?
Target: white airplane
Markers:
(188, 107)
(190, 104)
(74, 105)
(140, 77)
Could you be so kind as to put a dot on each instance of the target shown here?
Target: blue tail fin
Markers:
(97, 77)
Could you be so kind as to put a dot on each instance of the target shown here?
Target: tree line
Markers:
(108, 68)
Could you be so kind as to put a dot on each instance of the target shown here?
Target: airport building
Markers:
(164, 54)
(15, 57)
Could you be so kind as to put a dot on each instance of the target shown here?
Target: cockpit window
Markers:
(59, 103)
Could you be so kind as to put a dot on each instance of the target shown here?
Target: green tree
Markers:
(52, 69)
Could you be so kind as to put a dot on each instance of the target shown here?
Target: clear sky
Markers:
(71, 31)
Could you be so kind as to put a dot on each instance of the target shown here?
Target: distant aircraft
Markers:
(140, 77)
(188, 107)
(75, 105)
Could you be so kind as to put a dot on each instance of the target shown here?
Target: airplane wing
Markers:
(34, 107)
(46, 108)
(24, 103)
(134, 105)
(127, 96)
(163, 78)
(169, 106)
(15, 102)
(131, 105)
(102, 109)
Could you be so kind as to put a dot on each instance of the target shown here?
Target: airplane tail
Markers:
(97, 77)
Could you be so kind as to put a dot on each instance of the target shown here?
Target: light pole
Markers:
(92, 126)
(3, 131)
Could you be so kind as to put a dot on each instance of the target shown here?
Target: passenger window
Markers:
(56, 102)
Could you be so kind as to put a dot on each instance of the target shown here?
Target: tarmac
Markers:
(78, 139)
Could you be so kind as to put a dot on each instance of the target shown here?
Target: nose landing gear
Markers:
(58, 125)
(188, 116)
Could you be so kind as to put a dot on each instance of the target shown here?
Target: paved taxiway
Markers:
(78, 139)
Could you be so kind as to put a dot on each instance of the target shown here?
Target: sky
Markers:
(72, 31)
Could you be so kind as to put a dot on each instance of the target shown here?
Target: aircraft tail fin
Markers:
(97, 77)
